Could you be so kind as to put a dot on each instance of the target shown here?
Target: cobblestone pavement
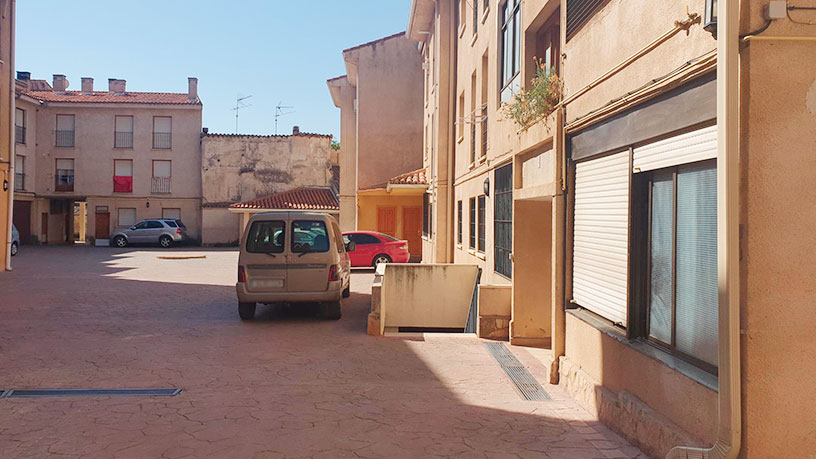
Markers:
(285, 385)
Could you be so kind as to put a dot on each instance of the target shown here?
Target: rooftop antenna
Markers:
(239, 104)
(280, 111)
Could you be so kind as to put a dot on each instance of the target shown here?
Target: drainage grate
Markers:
(525, 383)
(89, 392)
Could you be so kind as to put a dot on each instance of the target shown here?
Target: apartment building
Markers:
(89, 162)
(7, 12)
(380, 101)
(647, 230)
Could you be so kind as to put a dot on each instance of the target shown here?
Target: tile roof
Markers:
(303, 198)
(417, 177)
(104, 97)
(300, 134)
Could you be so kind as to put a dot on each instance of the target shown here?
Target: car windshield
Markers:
(309, 236)
(388, 238)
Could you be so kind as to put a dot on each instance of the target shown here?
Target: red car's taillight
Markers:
(334, 273)
(241, 275)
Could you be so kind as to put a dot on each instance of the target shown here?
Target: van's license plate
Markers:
(266, 283)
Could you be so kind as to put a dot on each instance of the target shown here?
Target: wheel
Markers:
(333, 310)
(14, 249)
(382, 258)
(347, 291)
(166, 242)
(120, 241)
(246, 311)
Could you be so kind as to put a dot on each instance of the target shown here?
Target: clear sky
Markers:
(277, 51)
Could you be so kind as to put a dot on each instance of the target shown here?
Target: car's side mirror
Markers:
(351, 246)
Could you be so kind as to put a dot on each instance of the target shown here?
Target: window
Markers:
(126, 217)
(548, 43)
(427, 214)
(472, 235)
(123, 132)
(19, 173)
(64, 135)
(579, 12)
(171, 214)
(123, 176)
(162, 132)
(681, 283)
(19, 126)
(511, 48)
(461, 115)
(162, 177)
(362, 239)
(65, 175)
(475, 16)
(154, 224)
(481, 241)
(309, 236)
(503, 220)
(266, 237)
(459, 223)
(473, 117)
(485, 61)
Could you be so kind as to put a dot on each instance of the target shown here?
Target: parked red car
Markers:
(374, 248)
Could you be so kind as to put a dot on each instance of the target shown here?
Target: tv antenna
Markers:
(280, 110)
(239, 104)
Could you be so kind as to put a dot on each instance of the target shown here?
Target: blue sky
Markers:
(275, 50)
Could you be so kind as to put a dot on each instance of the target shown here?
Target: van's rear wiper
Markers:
(271, 254)
(304, 253)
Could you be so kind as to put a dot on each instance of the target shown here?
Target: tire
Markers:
(120, 242)
(166, 242)
(333, 310)
(246, 311)
(347, 291)
(381, 258)
(14, 249)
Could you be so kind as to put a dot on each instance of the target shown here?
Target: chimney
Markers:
(87, 85)
(60, 83)
(295, 130)
(116, 86)
(25, 79)
(192, 88)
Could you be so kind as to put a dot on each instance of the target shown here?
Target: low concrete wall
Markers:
(424, 295)
(495, 303)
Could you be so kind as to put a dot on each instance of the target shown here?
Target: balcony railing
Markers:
(65, 139)
(484, 130)
(123, 140)
(162, 140)
(65, 181)
(19, 181)
(19, 134)
(473, 141)
(161, 185)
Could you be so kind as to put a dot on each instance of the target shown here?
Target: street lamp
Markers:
(711, 17)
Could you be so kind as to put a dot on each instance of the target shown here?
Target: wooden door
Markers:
(102, 225)
(412, 229)
(22, 220)
(387, 220)
(44, 228)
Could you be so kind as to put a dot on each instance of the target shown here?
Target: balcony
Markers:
(123, 140)
(19, 181)
(20, 134)
(162, 140)
(161, 185)
(64, 138)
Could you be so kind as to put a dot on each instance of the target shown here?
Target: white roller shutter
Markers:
(682, 149)
(601, 239)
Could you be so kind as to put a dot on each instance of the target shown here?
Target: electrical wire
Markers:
(758, 31)
(794, 8)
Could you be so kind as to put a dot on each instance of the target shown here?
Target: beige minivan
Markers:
(293, 257)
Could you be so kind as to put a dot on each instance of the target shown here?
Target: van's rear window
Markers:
(266, 237)
(309, 236)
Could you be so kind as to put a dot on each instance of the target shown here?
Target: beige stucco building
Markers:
(657, 236)
(380, 101)
(7, 25)
(238, 168)
(102, 160)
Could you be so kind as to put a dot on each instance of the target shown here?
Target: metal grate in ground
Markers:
(11, 393)
(525, 383)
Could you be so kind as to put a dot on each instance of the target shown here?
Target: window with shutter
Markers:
(64, 134)
(64, 175)
(579, 12)
(162, 132)
(123, 132)
(126, 217)
(123, 176)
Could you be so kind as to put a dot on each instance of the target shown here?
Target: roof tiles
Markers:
(303, 198)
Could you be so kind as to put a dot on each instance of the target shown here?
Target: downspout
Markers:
(12, 158)
(728, 93)
(451, 153)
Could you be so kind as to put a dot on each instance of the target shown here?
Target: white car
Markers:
(15, 240)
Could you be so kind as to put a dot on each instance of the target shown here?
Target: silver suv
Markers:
(159, 231)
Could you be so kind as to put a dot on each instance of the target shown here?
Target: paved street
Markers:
(286, 385)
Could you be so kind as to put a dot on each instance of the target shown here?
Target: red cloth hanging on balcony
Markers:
(122, 184)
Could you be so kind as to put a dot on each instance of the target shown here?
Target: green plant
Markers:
(533, 104)
(335, 145)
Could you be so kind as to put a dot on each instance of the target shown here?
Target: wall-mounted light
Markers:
(487, 186)
(710, 23)
(147, 204)
(5, 185)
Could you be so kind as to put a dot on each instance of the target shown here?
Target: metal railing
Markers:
(64, 181)
(19, 181)
(484, 130)
(161, 185)
(162, 140)
(19, 134)
(65, 138)
(123, 140)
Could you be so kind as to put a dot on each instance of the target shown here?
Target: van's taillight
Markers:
(334, 273)
(241, 274)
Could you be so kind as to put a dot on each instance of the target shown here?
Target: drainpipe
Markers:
(10, 13)
(451, 153)
(728, 93)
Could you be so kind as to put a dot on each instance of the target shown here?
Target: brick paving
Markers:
(288, 385)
